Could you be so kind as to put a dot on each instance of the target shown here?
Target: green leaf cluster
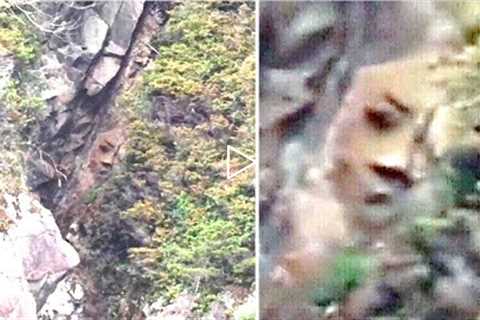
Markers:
(16, 36)
(19, 105)
(351, 269)
(213, 55)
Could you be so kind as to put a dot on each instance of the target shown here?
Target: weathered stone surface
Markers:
(39, 172)
(36, 253)
(180, 309)
(75, 58)
(94, 31)
(217, 312)
(53, 73)
(65, 302)
(114, 49)
(247, 309)
(104, 71)
(17, 302)
(108, 11)
(125, 22)
(7, 65)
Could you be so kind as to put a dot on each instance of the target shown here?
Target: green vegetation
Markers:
(206, 237)
(212, 58)
(22, 105)
(172, 181)
(19, 104)
(351, 270)
(16, 36)
(92, 195)
(424, 231)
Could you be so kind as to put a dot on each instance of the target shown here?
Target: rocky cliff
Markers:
(117, 133)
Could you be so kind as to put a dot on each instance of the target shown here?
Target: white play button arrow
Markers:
(231, 152)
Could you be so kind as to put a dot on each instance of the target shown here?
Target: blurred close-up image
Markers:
(369, 158)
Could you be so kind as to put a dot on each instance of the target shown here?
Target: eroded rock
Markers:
(7, 64)
(66, 302)
(104, 71)
(180, 309)
(94, 31)
(36, 253)
(124, 25)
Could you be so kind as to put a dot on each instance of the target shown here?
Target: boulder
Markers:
(94, 31)
(180, 309)
(65, 302)
(17, 302)
(104, 71)
(36, 253)
(124, 25)
(108, 11)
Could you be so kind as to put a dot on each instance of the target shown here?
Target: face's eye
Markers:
(477, 128)
(382, 116)
(386, 114)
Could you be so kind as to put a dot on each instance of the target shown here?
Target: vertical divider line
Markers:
(257, 156)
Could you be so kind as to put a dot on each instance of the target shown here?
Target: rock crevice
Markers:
(79, 141)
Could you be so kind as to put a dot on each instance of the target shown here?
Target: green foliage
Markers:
(171, 181)
(16, 36)
(19, 105)
(424, 231)
(92, 195)
(23, 107)
(21, 110)
(246, 315)
(350, 270)
(213, 56)
(206, 239)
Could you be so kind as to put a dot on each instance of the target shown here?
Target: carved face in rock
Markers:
(377, 148)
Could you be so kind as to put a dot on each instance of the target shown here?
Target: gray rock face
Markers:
(180, 309)
(84, 59)
(17, 302)
(7, 65)
(105, 70)
(122, 18)
(36, 253)
(108, 11)
(72, 57)
(40, 171)
(65, 302)
(81, 72)
(94, 32)
(125, 23)
(183, 308)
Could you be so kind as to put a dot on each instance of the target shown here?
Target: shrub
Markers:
(16, 36)
(206, 241)
(171, 180)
